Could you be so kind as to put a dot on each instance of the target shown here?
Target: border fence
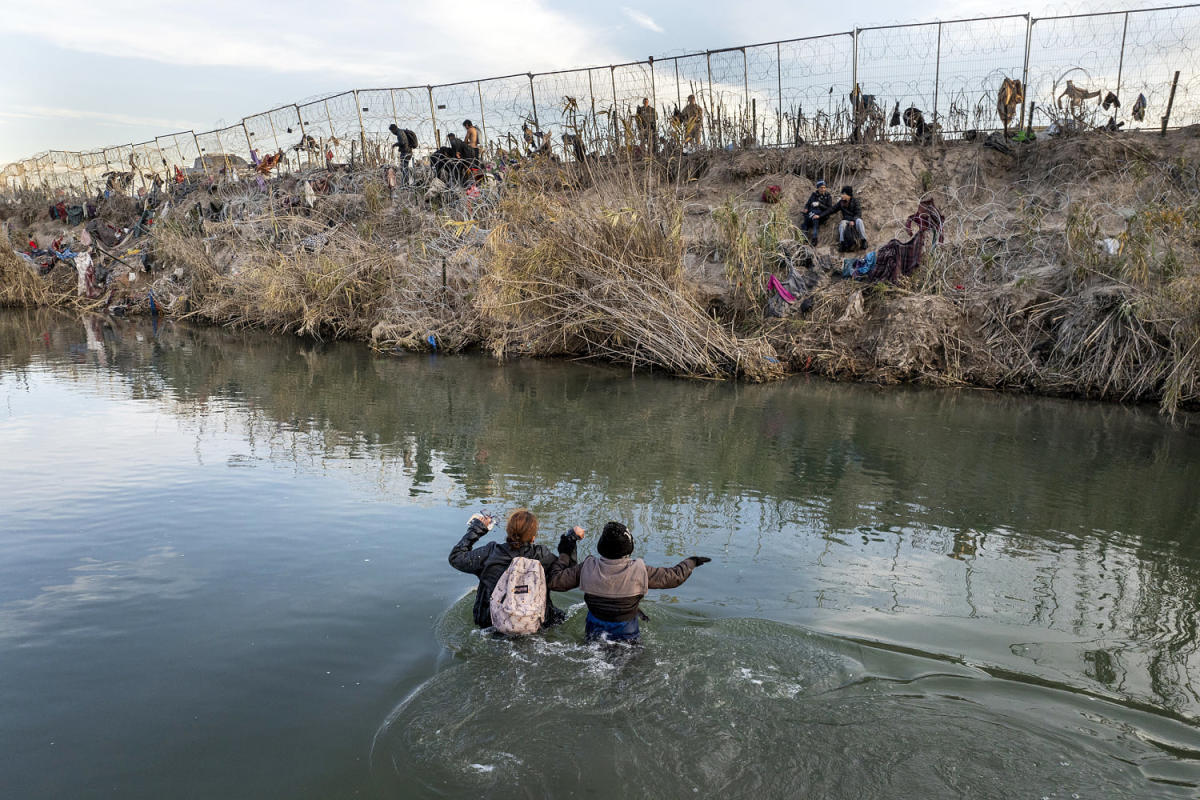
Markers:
(816, 89)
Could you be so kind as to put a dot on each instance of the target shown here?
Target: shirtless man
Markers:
(472, 140)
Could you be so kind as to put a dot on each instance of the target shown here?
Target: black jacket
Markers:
(821, 204)
(402, 144)
(850, 211)
(489, 563)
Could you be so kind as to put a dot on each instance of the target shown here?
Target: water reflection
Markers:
(1058, 540)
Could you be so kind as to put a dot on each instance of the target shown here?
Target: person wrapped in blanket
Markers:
(614, 584)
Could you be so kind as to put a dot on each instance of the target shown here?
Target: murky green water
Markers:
(223, 574)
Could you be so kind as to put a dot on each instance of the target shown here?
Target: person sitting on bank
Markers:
(490, 561)
(851, 233)
(818, 207)
(614, 584)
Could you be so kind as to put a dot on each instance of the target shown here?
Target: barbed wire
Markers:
(771, 94)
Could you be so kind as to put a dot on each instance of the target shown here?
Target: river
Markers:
(223, 574)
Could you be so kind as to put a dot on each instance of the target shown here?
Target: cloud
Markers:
(100, 117)
(361, 41)
(642, 19)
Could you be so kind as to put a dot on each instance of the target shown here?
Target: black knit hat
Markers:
(615, 541)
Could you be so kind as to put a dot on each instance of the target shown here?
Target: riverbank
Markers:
(1066, 267)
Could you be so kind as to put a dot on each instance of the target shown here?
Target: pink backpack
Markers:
(518, 603)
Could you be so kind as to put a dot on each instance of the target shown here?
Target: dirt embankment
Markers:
(1068, 266)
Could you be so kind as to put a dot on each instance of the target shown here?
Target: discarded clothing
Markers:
(1139, 108)
(85, 270)
(773, 283)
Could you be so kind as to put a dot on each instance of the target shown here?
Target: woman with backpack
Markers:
(491, 561)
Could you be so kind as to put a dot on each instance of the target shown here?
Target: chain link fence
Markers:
(772, 94)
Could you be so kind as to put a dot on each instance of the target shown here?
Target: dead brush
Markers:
(602, 276)
(748, 244)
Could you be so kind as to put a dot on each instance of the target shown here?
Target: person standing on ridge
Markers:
(693, 122)
(472, 140)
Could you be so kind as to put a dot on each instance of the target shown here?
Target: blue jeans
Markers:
(597, 629)
(811, 227)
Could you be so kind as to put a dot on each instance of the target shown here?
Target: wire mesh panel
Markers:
(180, 150)
(975, 58)
(343, 112)
(815, 78)
(1073, 61)
(762, 81)
(454, 103)
(378, 112)
(332, 124)
(666, 89)
(264, 138)
(507, 105)
(896, 65)
(728, 107)
(604, 107)
(211, 153)
(693, 78)
(118, 164)
(58, 170)
(565, 105)
(234, 144)
(91, 165)
(1156, 44)
(632, 83)
(149, 161)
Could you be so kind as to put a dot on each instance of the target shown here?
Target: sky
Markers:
(82, 74)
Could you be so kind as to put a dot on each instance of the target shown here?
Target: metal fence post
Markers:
(711, 103)
(533, 99)
(854, 66)
(708, 63)
(1121, 62)
(482, 115)
(779, 92)
(678, 92)
(1028, 46)
(653, 88)
(303, 136)
(937, 74)
(437, 135)
(1025, 71)
(362, 129)
(745, 78)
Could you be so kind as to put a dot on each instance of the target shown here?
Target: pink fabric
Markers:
(773, 283)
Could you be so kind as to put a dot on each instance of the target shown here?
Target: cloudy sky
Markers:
(81, 74)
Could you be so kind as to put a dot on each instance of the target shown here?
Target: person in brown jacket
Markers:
(614, 584)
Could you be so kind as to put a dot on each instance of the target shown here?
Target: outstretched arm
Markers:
(563, 574)
(465, 559)
(670, 577)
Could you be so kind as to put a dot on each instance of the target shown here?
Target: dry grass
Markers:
(601, 275)
(588, 261)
